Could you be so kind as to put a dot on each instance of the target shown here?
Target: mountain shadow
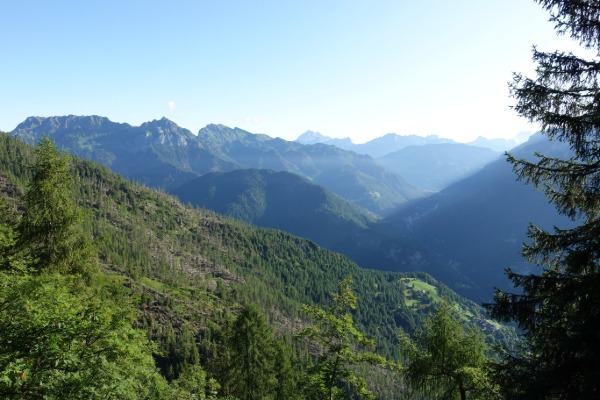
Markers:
(280, 200)
(435, 166)
(478, 225)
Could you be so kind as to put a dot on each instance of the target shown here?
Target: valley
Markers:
(185, 272)
(464, 233)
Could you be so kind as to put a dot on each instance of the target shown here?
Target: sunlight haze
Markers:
(343, 68)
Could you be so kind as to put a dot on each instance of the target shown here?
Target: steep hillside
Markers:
(187, 271)
(278, 200)
(478, 224)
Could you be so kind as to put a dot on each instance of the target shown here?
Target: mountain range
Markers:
(375, 148)
(392, 142)
(185, 274)
(464, 234)
(433, 167)
(161, 154)
(476, 226)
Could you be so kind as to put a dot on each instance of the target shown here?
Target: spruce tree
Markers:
(50, 232)
(559, 309)
(251, 344)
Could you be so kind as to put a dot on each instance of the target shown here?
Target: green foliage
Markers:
(285, 376)
(7, 235)
(192, 384)
(334, 332)
(279, 200)
(446, 361)
(59, 342)
(187, 271)
(559, 309)
(251, 363)
(59, 339)
(49, 231)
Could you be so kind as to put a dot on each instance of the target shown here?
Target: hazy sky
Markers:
(348, 68)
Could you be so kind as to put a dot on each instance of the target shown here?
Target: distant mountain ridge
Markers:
(154, 153)
(477, 225)
(311, 137)
(162, 154)
(375, 148)
(392, 142)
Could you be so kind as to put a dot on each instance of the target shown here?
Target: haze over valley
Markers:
(396, 203)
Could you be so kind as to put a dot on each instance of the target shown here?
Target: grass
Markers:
(420, 292)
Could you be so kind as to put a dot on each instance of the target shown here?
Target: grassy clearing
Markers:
(419, 292)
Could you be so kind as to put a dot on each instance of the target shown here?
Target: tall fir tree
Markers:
(252, 356)
(559, 309)
(50, 232)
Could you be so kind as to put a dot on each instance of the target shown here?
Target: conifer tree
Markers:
(251, 344)
(283, 374)
(559, 309)
(50, 231)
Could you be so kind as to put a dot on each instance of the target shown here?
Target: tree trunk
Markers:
(463, 392)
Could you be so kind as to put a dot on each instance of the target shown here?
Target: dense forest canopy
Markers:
(180, 279)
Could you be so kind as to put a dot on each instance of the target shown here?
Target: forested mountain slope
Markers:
(161, 154)
(279, 200)
(188, 272)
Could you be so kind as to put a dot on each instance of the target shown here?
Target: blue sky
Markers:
(356, 69)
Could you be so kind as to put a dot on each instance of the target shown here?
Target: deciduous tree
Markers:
(339, 340)
(446, 360)
(57, 342)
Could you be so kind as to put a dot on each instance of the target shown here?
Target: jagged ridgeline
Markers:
(187, 272)
(162, 154)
